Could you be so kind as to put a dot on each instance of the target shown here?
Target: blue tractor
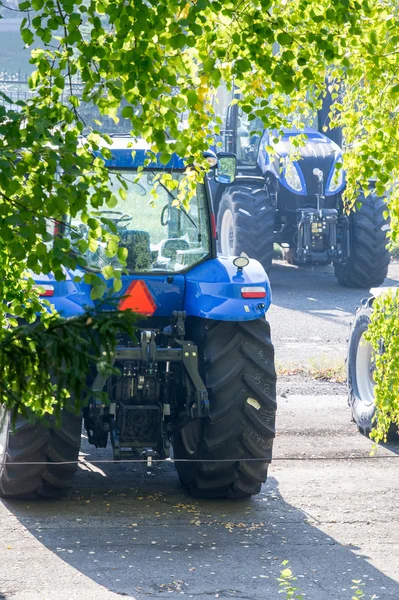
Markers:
(293, 197)
(200, 378)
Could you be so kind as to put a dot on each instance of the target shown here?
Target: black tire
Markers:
(367, 265)
(362, 405)
(237, 365)
(363, 410)
(36, 442)
(252, 231)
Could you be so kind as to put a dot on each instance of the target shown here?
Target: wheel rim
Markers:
(365, 367)
(3, 435)
(227, 234)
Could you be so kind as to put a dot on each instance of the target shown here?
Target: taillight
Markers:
(44, 290)
(253, 292)
(213, 224)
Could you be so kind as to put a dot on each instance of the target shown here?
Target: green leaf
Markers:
(122, 255)
(74, 100)
(108, 272)
(112, 202)
(27, 36)
(307, 73)
(37, 4)
(59, 82)
(98, 291)
(127, 112)
(284, 39)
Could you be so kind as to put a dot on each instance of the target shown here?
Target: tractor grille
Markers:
(324, 164)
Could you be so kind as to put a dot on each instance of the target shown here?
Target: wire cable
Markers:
(197, 460)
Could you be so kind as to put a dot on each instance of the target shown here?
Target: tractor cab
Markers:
(158, 234)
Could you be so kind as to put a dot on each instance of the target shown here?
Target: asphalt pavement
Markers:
(311, 313)
(327, 508)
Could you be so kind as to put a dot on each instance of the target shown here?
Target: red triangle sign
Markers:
(138, 298)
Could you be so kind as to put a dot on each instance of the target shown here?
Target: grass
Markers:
(321, 369)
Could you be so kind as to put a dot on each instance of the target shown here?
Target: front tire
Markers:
(42, 445)
(245, 224)
(360, 372)
(367, 265)
(233, 446)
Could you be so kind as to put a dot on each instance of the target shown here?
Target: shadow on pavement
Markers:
(141, 536)
(315, 290)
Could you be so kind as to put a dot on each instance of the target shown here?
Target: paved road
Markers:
(122, 533)
(311, 313)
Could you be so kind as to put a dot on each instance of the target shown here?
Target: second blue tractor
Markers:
(292, 196)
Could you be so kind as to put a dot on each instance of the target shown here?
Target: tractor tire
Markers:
(38, 442)
(245, 224)
(367, 265)
(237, 366)
(360, 372)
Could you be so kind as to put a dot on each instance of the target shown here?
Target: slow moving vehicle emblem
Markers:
(138, 298)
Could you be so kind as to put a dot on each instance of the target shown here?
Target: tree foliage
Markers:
(53, 362)
(383, 334)
(160, 62)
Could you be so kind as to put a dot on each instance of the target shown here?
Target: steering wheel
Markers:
(165, 215)
(117, 215)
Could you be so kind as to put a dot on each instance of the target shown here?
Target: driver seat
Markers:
(137, 244)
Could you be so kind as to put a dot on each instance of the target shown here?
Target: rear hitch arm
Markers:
(200, 407)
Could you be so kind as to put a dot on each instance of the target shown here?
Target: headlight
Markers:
(336, 180)
(291, 175)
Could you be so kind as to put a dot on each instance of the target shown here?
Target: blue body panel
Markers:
(167, 295)
(213, 291)
(70, 298)
(128, 158)
(316, 146)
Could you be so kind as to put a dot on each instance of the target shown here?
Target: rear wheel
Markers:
(245, 224)
(367, 265)
(233, 446)
(43, 446)
(360, 372)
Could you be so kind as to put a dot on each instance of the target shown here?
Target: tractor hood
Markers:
(316, 144)
(294, 167)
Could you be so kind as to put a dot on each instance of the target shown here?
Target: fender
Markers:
(213, 290)
(69, 298)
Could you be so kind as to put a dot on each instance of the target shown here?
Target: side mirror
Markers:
(226, 167)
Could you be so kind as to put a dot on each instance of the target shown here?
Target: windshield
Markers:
(249, 133)
(157, 235)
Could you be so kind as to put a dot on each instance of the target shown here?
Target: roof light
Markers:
(44, 290)
(253, 292)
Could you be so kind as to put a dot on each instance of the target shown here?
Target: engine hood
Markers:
(317, 152)
(316, 145)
